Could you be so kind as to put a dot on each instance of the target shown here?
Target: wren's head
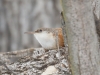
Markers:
(46, 37)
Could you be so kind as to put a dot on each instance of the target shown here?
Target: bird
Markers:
(49, 38)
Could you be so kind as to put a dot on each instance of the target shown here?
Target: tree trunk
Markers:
(83, 43)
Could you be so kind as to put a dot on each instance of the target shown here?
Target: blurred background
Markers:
(19, 16)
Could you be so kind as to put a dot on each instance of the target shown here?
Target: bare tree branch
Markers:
(37, 62)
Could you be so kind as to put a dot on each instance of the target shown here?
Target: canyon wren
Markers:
(47, 37)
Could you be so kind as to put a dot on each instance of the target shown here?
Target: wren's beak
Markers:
(29, 32)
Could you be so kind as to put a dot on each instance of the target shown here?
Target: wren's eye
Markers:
(40, 30)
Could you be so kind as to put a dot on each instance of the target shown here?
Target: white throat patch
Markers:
(46, 39)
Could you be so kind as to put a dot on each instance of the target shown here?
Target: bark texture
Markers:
(83, 43)
(34, 61)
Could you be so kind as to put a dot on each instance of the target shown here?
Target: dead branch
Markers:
(34, 61)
